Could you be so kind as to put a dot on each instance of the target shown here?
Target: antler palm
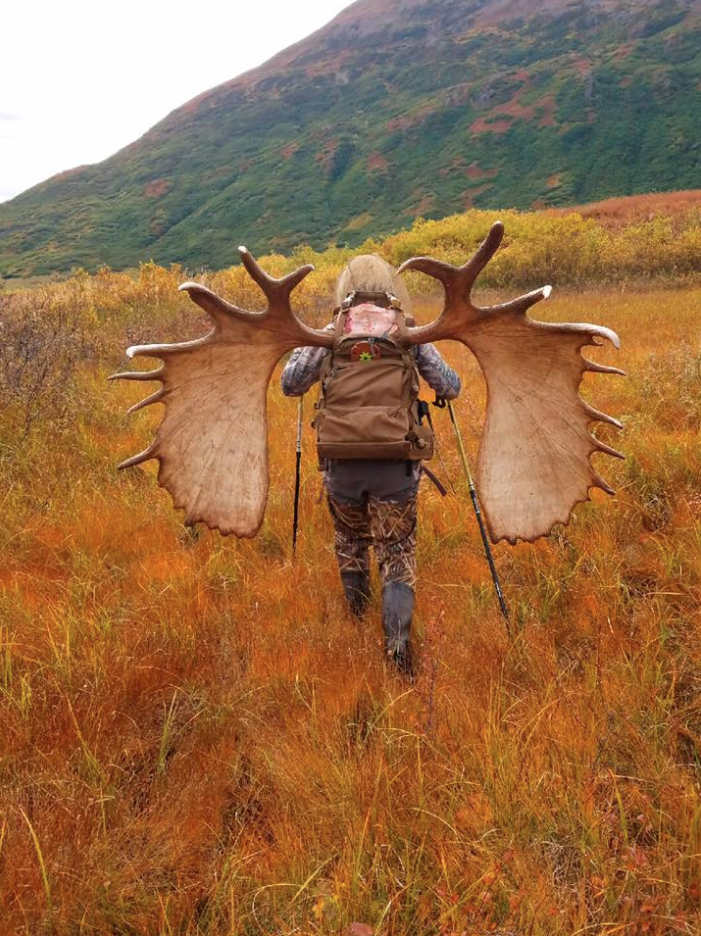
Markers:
(535, 456)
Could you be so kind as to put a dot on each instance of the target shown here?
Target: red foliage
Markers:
(157, 188)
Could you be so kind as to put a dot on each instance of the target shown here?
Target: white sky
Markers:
(80, 79)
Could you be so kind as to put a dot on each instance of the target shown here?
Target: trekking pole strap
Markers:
(431, 477)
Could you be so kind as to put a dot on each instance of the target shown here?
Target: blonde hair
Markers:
(370, 273)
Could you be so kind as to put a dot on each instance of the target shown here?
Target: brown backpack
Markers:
(368, 405)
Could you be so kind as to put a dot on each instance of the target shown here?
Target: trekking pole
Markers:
(298, 474)
(480, 521)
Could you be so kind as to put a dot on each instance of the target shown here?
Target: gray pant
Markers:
(355, 480)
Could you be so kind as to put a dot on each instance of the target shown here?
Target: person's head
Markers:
(371, 277)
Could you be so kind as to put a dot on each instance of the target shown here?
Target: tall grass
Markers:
(196, 738)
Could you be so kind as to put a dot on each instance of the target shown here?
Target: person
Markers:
(372, 501)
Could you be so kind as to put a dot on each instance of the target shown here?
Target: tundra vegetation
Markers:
(196, 738)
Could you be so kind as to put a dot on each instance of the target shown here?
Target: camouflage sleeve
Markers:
(436, 372)
(302, 369)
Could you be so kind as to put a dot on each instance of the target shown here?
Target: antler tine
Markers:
(154, 398)
(462, 278)
(438, 269)
(481, 257)
(596, 368)
(521, 304)
(598, 416)
(457, 283)
(138, 375)
(146, 455)
(216, 307)
(274, 289)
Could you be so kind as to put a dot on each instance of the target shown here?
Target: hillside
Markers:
(396, 109)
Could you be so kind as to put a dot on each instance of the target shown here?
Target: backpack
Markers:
(368, 405)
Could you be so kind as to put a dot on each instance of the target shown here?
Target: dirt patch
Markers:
(287, 152)
(554, 180)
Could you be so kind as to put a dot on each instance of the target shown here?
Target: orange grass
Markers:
(196, 738)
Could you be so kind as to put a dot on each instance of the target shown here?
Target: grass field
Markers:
(196, 738)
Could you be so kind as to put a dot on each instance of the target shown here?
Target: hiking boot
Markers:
(397, 611)
(403, 661)
(356, 586)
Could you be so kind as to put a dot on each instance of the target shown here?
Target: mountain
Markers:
(395, 109)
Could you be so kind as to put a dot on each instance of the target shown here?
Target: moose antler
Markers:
(212, 442)
(535, 456)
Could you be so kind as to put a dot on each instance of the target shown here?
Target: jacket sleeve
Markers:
(436, 372)
(303, 368)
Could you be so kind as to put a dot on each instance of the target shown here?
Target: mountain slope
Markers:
(397, 108)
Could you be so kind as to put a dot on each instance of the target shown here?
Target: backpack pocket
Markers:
(372, 432)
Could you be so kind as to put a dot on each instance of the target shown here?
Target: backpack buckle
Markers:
(363, 295)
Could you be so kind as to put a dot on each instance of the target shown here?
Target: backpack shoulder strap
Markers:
(340, 325)
(400, 319)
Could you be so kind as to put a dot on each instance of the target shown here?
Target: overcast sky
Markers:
(79, 79)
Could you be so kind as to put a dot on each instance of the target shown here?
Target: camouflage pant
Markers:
(388, 526)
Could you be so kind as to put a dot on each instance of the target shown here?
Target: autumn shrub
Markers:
(44, 336)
